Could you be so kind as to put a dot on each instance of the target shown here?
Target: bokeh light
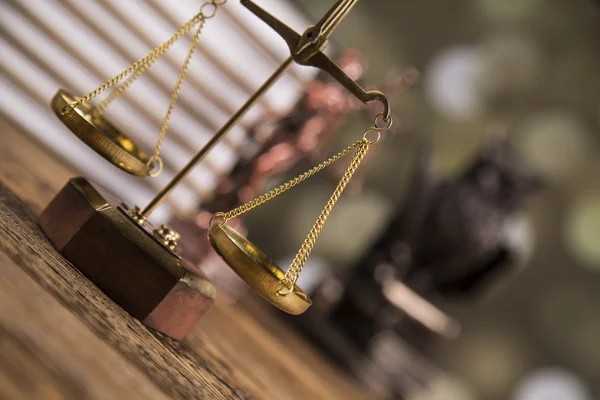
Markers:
(520, 234)
(511, 64)
(551, 384)
(508, 10)
(492, 359)
(448, 387)
(351, 226)
(451, 82)
(557, 144)
(583, 229)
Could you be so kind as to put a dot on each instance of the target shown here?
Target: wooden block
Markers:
(125, 261)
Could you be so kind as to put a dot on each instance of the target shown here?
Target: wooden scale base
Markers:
(126, 261)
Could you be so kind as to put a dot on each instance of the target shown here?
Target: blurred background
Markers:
(529, 66)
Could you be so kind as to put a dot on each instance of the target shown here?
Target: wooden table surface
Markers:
(61, 337)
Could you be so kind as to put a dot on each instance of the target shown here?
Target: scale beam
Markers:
(307, 49)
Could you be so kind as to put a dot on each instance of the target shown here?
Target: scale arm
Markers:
(291, 37)
(334, 17)
(324, 63)
(306, 49)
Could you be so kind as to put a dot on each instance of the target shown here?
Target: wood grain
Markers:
(29, 171)
(246, 349)
(44, 347)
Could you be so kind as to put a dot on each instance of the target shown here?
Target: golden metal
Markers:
(254, 266)
(212, 56)
(244, 258)
(288, 185)
(135, 214)
(215, 139)
(167, 236)
(182, 74)
(293, 273)
(310, 45)
(306, 49)
(164, 235)
(256, 269)
(100, 134)
(258, 41)
(91, 120)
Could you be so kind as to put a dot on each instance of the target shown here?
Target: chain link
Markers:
(212, 6)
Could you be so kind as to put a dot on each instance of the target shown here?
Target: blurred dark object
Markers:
(279, 143)
(450, 235)
(446, 240)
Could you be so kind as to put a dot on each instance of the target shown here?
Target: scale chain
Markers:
(156, 53)
(292, 274)
(141, 70)
(286, 186)
(182, 74)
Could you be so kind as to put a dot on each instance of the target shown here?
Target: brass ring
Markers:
(253, 266)
(99, 134)
(215, 216)
(155, 165)
(372, 141)
(213, 10)
(288, 286)
(389, 122)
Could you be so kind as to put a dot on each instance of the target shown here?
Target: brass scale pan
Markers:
(243, 257)
(102, 136)
(253, 266)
